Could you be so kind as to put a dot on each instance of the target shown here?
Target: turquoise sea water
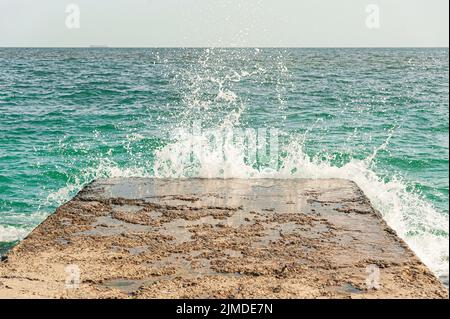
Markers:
(376, 116)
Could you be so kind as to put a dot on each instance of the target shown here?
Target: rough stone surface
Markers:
(215, 238)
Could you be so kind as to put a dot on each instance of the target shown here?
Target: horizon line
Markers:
(222, 47)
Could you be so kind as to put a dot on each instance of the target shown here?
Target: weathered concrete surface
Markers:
(150, 238)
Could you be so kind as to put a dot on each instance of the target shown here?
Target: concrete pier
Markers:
(216, 238)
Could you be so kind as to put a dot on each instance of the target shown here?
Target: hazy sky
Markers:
(188, 23)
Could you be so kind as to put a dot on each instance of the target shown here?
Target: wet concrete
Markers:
(215, 238)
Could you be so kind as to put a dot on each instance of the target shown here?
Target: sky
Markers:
(224, 23)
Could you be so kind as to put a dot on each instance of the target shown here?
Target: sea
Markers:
(379, 117)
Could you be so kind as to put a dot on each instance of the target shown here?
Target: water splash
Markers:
(217, 153)
(10, 233)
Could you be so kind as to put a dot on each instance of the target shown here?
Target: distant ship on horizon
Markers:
(98, 46)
